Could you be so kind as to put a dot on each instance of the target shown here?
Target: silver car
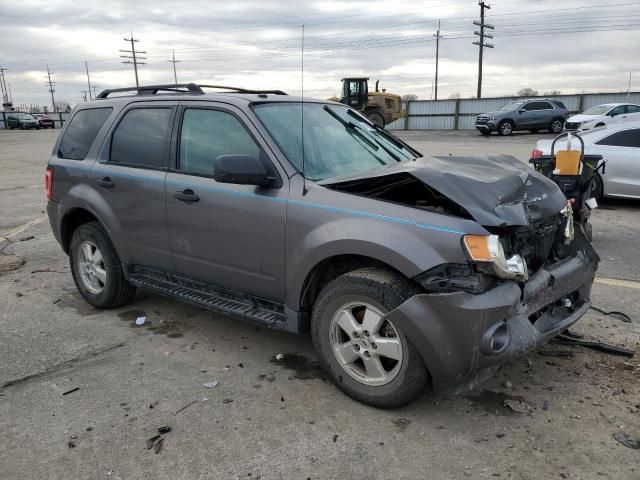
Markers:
(619, 146)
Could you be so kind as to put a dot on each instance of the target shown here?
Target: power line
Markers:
(481, 43)
(132, 58)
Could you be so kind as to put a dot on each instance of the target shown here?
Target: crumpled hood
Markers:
(496, 190)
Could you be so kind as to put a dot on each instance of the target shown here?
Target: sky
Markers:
(547, 45)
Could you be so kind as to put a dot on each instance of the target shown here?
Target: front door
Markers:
(621, 150)
(232, 236)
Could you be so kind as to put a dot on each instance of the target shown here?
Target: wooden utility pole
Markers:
(174, 61)
(438, 36)
(481, 43)
(86, 67)
(51, 89)
(133, 57)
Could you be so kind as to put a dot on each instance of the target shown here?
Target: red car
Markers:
(44, 121)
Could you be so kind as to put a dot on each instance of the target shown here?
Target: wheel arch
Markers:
(70, 222)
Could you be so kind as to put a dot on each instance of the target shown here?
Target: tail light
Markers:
(48, 182)
(536, 153)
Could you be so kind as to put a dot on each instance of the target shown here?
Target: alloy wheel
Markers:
(366, 345)
(91, 267)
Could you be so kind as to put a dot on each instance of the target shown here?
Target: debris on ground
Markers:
(564, 339)
(140, 321)
(185, 407)
(402, 423)
(9, 263)
(279, 356)
(71, 391)
(519, 406)
(545, 405)
(627, 440)
(507, 384)
(227, 400)
(305, 368)
(26, 239)
(158, 446)
(71, 444)
(210, 384)
(18, 294)
(556, 353)
(614, 313)
(335, 438)
(151, 442)
(164, 429)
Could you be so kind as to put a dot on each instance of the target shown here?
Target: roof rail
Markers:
(191, 88)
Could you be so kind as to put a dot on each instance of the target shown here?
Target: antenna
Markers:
(304, 179)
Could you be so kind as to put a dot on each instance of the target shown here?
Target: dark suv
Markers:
(22, 121)
(533, 115)
(407, 270)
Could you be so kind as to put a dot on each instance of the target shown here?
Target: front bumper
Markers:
(486, 127)
(448, 329)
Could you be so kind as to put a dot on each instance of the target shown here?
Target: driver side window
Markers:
(617, 111)
(207, 134)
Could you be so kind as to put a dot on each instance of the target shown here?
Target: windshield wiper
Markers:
(387, 136)
(353, 128)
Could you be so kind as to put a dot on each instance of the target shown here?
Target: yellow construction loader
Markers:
(380, 107)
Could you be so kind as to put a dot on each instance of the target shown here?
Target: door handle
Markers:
(187, 196)
(106, 182)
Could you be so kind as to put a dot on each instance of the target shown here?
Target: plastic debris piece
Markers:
(164, 429)
(151, 442)
(181, 409)
(140, 321)
(158, 446)
(71, 391)
(279, 356)
(627, 440)
(227, 400)
(210, 384)
(518, 406)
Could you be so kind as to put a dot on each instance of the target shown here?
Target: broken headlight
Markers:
(569, 230)
(488, 249)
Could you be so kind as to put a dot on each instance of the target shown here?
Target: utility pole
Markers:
(94, 90)
(629, 87)
(438, 37)
(133, 57)
(86, 67)
(51, 90)
(6, 97)
(481, 43)
(174, 61)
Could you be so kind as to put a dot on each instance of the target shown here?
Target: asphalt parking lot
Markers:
(273, 419)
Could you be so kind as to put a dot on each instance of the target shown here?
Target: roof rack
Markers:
(191, 88)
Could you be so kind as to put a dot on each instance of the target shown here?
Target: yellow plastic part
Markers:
(478, 247)
(567, 162)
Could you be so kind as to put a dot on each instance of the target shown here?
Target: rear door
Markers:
(539, 114)
(232, 236)
(130, 177)
(621, 150)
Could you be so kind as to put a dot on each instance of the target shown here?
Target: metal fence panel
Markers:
(431, 123)
(432, 107)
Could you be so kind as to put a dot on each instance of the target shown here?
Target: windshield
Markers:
(25, 116)
(337, 140)
(599, 110)
(510, 107)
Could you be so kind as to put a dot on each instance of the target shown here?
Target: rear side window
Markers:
(207, 134)
(538, 106)
(626, 138)
(141, 138)
(559, 104)
(81, 133)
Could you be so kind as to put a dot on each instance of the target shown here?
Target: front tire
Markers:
(364, 354)
(376, 118)
(597, 188)
(505, 128)
(96, 268)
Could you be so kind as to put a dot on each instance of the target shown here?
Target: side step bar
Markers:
(212, 299)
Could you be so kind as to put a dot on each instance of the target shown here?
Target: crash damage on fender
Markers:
(475, 316)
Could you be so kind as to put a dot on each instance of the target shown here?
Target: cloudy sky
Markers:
(571, 46)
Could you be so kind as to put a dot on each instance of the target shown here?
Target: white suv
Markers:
(601, 115)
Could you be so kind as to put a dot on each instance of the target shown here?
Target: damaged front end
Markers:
(526, 280)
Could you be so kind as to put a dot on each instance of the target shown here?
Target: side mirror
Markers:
(243, 170)
(522, 110)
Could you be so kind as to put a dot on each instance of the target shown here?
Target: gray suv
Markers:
(533, 115)
(303, 215)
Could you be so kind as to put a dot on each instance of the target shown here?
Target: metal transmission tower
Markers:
(133, 57)
(174, 61)
(481, 43)
(6, 95)
(51, 89)
(438, 37)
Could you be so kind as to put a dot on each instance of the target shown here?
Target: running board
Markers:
(211, 298)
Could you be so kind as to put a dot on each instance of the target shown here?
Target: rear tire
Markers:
(96, 268)
(359, 300)
(505, 128)
(557, 124)
(597, 188)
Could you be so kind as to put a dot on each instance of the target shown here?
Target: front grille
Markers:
(535, 243)
(571, 125)
(482, 119)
